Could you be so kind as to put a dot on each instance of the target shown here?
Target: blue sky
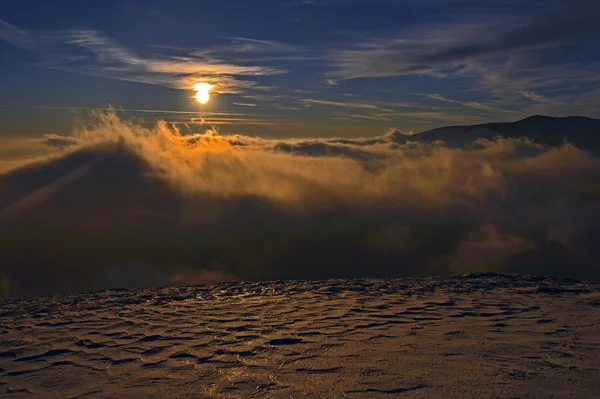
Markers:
(298, 67)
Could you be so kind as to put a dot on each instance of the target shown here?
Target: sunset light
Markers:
(203, 90)
(300, 198)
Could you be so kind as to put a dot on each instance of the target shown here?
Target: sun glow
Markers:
(203, 90)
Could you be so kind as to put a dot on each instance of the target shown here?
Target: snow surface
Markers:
(475, 336)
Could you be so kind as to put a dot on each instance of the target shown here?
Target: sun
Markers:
(203, 90)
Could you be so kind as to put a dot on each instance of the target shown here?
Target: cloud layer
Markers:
(117, 201)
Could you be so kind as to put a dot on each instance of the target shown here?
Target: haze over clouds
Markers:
(118, 204)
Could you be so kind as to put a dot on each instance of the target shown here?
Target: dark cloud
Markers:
(123, 205)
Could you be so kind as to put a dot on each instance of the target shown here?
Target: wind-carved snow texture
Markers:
(477, 336)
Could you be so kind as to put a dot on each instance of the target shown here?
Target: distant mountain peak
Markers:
(554, 118)
(581, 131)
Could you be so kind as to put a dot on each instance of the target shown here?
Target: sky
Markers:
(297, 68)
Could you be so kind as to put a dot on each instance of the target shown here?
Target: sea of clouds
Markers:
(117, 204)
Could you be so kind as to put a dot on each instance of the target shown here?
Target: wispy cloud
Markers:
(249, 45)
(150, 116)
(287, 108)
(249, 50)
(14, 35)
(438, 116)
(413, 116)
(533, 96)
(310, 101)
(245, 104)
(350, 115)
(469, 104)
(90, 52)
(500, 54)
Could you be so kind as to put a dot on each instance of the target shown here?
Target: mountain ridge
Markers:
(581, 131)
